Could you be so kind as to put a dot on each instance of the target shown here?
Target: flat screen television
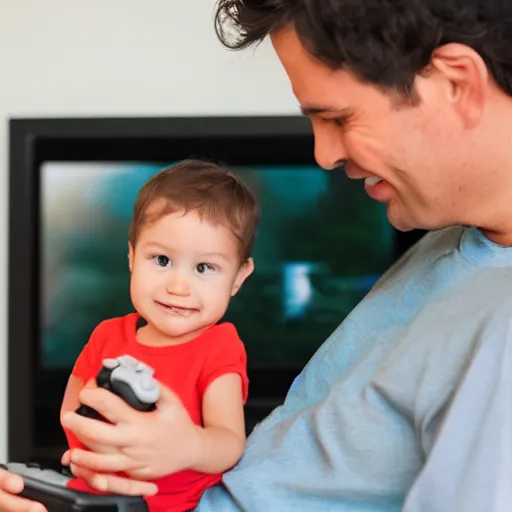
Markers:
(321, 245)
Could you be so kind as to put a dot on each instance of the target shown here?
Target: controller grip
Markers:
(126, 393)
(89, 412)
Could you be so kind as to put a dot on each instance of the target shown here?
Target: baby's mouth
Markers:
(184, 312)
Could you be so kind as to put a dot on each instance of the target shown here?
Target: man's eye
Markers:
(203, 267)
(162, 261)
(339, 122)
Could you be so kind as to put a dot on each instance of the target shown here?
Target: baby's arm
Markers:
(84, 367)
(70, 401)
(222, 438)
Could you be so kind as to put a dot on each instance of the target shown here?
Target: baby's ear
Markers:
(246, 269)
(130, 256)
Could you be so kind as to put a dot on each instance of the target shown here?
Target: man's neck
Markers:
(500, 238)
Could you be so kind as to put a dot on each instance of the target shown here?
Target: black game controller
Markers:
(49, 487)
(128, 378)
(133, 382)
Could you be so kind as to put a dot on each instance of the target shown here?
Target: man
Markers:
(407, 405)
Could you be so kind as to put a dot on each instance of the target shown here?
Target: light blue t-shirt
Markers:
(409, 399)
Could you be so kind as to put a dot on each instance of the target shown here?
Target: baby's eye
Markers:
(161, 260)
(202, 268)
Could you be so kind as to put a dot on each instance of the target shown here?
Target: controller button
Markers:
(146, 382)
(110, 363)
(127, 361)
(66, 471)
(140, 367)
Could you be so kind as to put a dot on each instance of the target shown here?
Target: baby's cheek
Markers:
(217, 298)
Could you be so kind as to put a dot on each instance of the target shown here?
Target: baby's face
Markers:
(184, 272)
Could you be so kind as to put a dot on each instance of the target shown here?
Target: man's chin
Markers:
(409, 219)
(405, 223)
(401, 222)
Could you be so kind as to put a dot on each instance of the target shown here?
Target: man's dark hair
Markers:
(383, 42)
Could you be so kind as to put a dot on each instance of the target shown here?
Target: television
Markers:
(321, 245)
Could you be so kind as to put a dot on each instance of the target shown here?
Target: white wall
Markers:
(119, 58)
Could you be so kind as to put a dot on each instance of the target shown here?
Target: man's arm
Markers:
(470, 466)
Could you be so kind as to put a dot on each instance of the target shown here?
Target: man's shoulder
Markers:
(498, 327)
(441, 241)
(476, 426)
(434, 245)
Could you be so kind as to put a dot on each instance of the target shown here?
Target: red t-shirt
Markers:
(188, 369)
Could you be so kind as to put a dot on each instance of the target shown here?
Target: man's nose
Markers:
(330, 151)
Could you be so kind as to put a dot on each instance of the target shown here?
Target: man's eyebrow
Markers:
(312, 111)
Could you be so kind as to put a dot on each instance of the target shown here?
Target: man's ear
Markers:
(244, 272)
(130, 256)
(466, 77)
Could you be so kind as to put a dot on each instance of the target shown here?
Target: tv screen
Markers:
(320, 246)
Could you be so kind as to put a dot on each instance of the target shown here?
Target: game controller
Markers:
(128, 378)
(131, 380)
(49, 487)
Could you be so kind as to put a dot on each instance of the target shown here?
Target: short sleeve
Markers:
(470, 466)
(227, 355)
(88, 362)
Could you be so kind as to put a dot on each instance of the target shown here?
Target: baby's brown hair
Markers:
(214, 192)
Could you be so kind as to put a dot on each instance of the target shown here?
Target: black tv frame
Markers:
(34, 140)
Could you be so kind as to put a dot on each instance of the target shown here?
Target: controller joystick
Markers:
(129, 379)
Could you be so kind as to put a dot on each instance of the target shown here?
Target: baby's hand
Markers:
(111, 483)
(144, 445)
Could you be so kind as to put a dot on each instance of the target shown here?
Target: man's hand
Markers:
(10, 485)
(143, 445)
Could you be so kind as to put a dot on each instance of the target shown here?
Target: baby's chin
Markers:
(179, 331)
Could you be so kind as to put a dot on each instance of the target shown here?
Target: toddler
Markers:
(189, 250)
